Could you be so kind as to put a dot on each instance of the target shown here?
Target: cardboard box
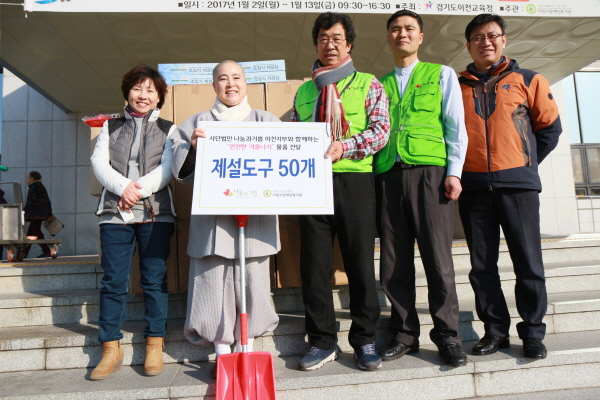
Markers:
(166, 112)
(251, 77)
(287, 261)
(187, 69)
(183, 200)
(262, 66)
(279, 98)
(266, 76)
(183, 231)
(192, 99)
(207, 68)
(182, 195)
(189, 79)
(95, 186)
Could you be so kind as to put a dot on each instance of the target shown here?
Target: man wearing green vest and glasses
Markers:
(418, 179)
(356, 107)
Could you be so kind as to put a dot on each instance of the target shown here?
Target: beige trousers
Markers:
(214, 299)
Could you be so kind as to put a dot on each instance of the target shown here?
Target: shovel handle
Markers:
(242, 219)
(244, 328)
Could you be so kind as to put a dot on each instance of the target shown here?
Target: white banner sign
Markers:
(534, 8)
(263, 168)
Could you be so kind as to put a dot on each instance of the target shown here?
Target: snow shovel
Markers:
(245, 376)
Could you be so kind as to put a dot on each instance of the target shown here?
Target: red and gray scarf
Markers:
(134, 114)
(328, 107)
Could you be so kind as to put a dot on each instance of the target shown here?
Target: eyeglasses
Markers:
(482, 38)
(323, 42)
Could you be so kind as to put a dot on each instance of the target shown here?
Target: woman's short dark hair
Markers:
(36, 176)
(140, 74)
(482, 19)
(402, 13)
(329, 19)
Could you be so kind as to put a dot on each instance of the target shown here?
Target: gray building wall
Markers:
(37, 135)
(558, 205)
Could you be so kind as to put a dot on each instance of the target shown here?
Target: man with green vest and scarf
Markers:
(356, 107)
(418, 179)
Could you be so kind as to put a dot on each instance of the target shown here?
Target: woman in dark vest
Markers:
(132, 160)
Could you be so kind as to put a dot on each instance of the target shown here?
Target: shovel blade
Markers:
(246, 376)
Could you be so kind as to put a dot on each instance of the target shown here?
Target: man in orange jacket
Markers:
(513, 124)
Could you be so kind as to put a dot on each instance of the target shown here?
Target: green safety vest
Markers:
(353, 100)
(416, 131)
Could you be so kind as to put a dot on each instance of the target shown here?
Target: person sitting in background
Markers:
(213, 293)
(132, 160)
(38, 209)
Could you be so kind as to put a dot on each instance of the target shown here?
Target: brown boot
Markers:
(154, 356)
(112, 360)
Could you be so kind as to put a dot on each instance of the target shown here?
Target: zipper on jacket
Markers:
(526, 140)
(487, 137)
(129, 150)
(398, 130)
(493, 100)
(141, 152)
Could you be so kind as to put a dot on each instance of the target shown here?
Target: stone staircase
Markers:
(48, 339)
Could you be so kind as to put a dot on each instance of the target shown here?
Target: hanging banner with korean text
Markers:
(263, 168)
(525, 8)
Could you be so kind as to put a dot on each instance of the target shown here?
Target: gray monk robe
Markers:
(213, 291)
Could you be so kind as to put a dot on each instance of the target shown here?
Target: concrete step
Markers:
(63, 273)
(573, 363)
(70, 307)
(84, 272)
(560, 278)
(572, 248)
(82, 306)
(76, 345)
(571, 394)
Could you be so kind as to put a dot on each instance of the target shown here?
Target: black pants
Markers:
(354, 224)
(517, 211)
(35, 229)
(412, 205)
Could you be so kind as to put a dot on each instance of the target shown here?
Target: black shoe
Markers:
(397, 349)
(489, 344)
(534, 348)
(44, 255)
(453, 354)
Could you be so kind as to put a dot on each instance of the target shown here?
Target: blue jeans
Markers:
(118, 247)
